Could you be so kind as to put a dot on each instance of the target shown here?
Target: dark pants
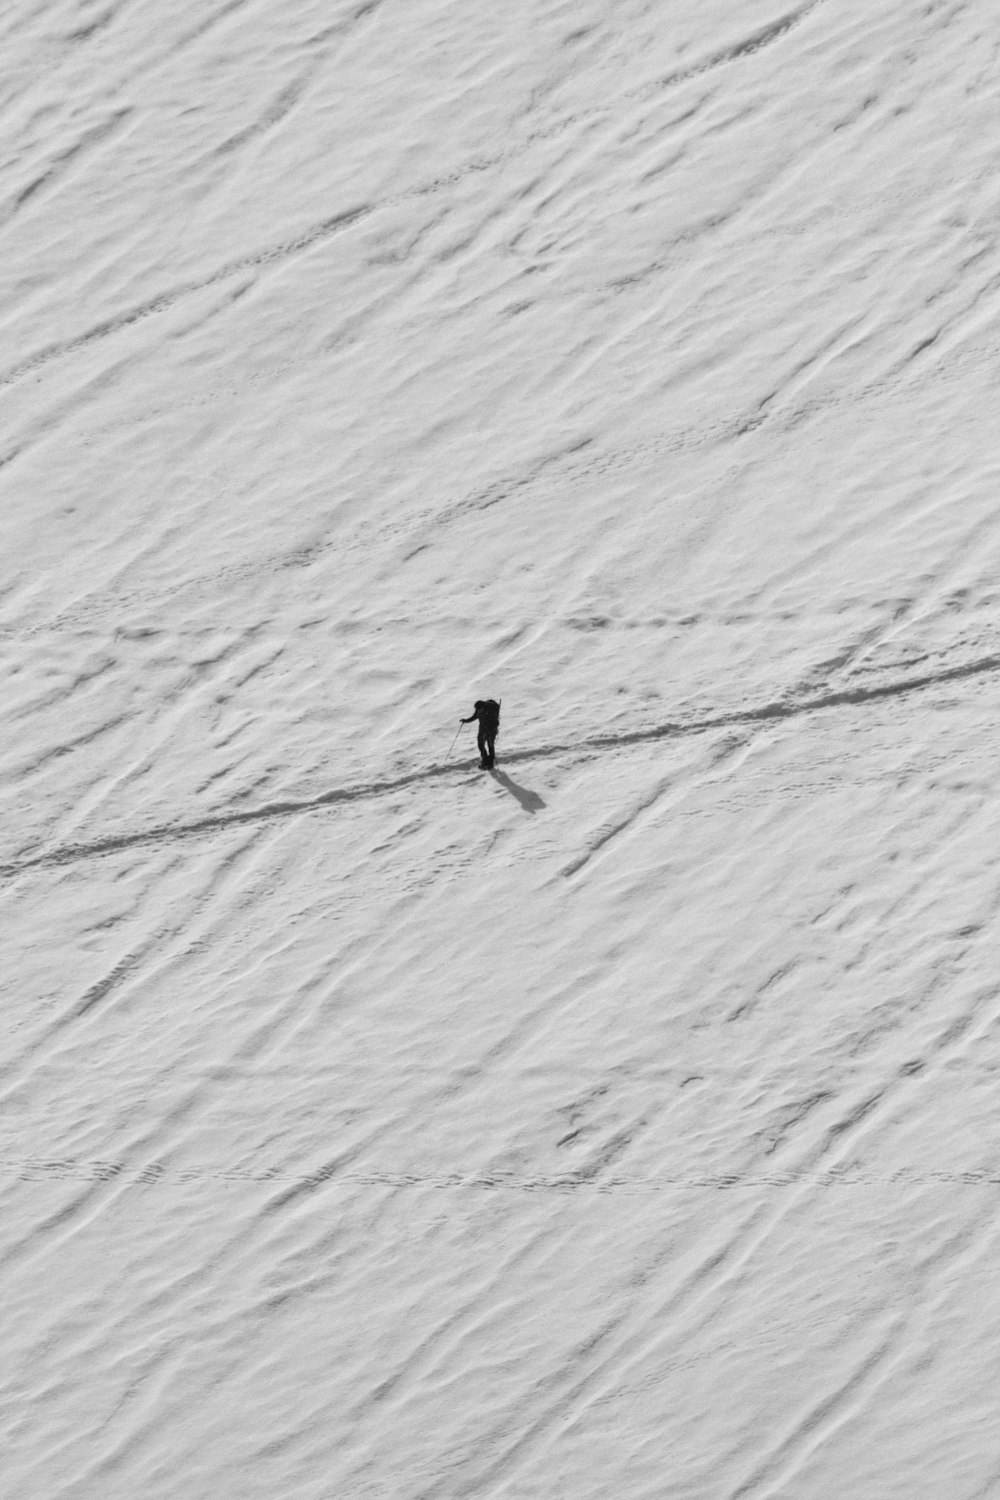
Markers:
(487, 751)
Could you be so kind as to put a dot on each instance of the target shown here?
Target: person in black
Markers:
(488, 714)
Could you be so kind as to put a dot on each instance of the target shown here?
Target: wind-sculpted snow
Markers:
(586, 745)
(622, 1122)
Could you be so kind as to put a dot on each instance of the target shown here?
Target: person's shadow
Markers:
(530, 801)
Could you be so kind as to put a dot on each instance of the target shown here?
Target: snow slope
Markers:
(623, 1124)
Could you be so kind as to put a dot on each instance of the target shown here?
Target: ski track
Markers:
(346, 218)
(375, 1126)
(768, 713)
(625, 1343)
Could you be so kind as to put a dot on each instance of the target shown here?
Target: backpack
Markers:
(491, 717)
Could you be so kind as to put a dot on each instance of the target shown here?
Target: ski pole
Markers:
(454, 742)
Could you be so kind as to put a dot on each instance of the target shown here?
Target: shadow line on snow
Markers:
(529, 800)
(772, 712)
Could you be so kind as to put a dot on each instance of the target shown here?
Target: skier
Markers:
(488, 714)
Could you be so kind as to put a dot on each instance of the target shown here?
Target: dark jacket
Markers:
(488, 714)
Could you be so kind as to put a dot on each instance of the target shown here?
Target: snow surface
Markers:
(624, 1124)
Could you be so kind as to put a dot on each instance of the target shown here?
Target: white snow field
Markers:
(625, 1123)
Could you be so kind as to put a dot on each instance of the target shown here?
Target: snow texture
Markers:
(623, 1123)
